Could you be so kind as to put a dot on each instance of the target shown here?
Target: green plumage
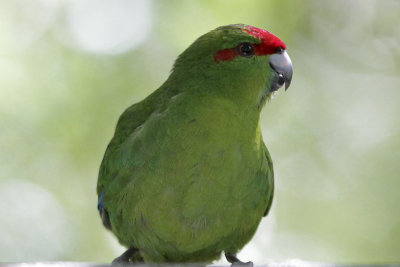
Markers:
(187, 175)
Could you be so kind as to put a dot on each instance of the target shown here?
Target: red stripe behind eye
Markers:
(225, 54)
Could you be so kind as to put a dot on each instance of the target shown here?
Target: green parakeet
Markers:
(187, 175)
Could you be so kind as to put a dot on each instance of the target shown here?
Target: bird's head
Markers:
(238, 61)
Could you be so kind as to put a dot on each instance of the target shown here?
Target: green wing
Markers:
(270, 178)
(112, 165)
(130, 120)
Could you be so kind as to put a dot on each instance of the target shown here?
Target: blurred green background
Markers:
(69, 68)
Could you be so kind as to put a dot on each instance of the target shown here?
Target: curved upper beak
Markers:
(282, 64)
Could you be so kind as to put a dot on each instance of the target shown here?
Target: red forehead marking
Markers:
(269, 44)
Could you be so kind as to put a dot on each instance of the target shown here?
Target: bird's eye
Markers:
(279, 50)
(246, 50)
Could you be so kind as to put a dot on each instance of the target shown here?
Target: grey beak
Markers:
(282, 65)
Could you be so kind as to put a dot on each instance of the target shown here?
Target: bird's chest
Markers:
(214, 156)
(212, 145)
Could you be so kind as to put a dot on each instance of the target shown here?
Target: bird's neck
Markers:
(223, 116)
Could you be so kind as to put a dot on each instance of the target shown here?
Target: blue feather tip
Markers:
(100, 204)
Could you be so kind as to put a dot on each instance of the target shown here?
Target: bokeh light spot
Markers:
(109, 27)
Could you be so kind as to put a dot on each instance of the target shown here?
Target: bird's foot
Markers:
(132, 255)
(235, 262)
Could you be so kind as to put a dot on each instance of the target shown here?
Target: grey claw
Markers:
(236, 262)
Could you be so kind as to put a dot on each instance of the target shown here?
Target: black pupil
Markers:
(246, 49)
(281, 80)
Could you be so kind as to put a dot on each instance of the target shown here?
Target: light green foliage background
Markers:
(69, 68)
